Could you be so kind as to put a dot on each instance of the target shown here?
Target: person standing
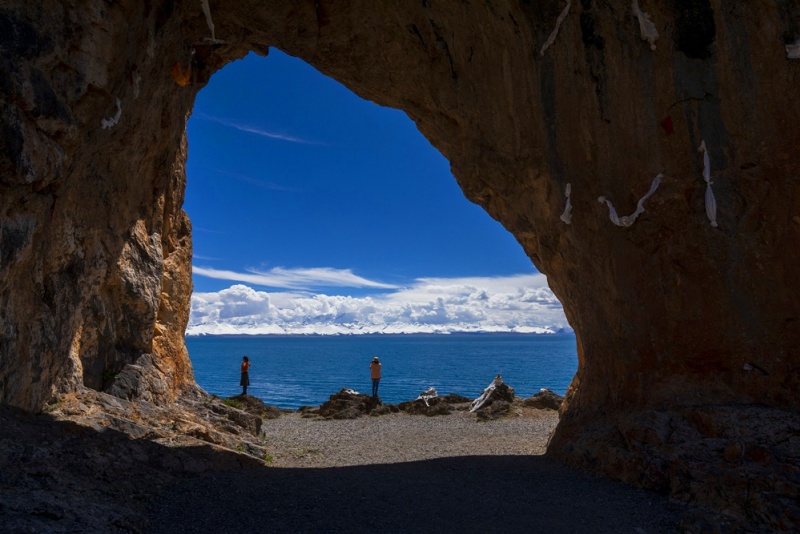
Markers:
(245, 381)
(375, 371)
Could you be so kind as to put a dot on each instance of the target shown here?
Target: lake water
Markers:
(292, 371)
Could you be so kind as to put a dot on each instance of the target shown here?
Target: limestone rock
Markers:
(496, 391)
(454, 398)
(435, 406)
(255, 406)
(430, 403)
(671, 313)
(497, 409)
(495, 401)
(348, 404)
(93, 461)
(544, 400)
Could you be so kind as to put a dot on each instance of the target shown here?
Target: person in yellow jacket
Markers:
(375, 372)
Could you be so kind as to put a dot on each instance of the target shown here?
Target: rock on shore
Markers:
(349, 404)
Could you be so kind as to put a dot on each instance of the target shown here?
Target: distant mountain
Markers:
(213, 329)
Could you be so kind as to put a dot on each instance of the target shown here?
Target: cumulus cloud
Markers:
(431, 305)
(294, 278)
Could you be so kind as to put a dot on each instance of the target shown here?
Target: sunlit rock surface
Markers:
(676, 320)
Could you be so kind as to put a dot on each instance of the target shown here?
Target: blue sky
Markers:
(299, 190)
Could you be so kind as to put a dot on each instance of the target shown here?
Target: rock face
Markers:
(498, 392)
(95, 264)
(673, 315)
(348, 404)
(544, 400)
(444, 405)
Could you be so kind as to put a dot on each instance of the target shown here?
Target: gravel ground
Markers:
(404, 473)
(296, 442)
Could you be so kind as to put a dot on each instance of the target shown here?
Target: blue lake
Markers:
(291, 371)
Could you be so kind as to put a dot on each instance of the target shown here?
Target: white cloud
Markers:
(494, 304)
(303, 279)
(254, 130)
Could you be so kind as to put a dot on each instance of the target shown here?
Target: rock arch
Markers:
(685, 331)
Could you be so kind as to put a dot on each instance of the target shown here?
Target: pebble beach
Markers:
(294, 441)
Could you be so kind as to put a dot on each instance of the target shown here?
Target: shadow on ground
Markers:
(58, 476)
(464, 494)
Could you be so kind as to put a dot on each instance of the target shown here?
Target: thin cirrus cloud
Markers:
(296, 279)
(206, 230)
(243, 127)
(521, 303)
(263, 184)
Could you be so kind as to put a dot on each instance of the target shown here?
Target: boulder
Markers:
(247, 421)
(495, 410)
(348, 404)
(434, 406)
(544, 400)
(453, 398)
(255, 406)
(496, 391)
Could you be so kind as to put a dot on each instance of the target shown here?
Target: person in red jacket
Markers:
(245, 381)
(375, 371)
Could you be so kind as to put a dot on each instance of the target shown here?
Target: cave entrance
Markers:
(318, 215)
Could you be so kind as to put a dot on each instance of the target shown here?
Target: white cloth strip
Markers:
(427, 395)
(567, 215)
(711, 202)
(112, 121)
(480, 401)
(554, 34)
(647, 29)
(207, 12)
(630, 219)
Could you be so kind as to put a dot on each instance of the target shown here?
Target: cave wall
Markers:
(671, 314)
(95, 267)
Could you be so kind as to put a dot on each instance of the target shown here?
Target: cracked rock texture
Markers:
(672, 315)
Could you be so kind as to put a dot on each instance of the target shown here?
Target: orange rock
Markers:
(182, 77)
